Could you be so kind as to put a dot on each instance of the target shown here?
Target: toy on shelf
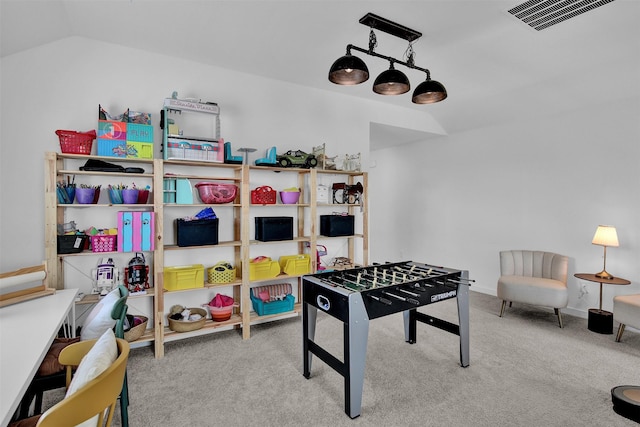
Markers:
(324, 161)
(321, 250)
(352, 162)
(269, 159)
(228, 158)
(349, 162)
(298, 159)
(137, 274)
(344, 193)
(105, 277)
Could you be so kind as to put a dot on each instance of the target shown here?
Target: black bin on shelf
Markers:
(198, 232)
(336, 225)
(72, 243)
(273, 228)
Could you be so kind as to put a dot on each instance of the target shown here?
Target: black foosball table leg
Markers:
(409, 317)
(309, 314)
(463, 321)
(356, 335)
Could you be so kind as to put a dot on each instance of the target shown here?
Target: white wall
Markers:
(543, 185)
(453, 200)
(59, 86)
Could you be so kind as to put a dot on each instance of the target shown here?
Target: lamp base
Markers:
(600, 321)
(604, 275)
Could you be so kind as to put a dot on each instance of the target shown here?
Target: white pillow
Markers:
(101, 356)
(99, 320)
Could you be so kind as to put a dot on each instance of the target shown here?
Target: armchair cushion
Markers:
(626, 310)
(533, 290)
(102, 355)
(50, 364)
(99, 359)
(100, 317)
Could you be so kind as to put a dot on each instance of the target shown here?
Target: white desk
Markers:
(27, 330)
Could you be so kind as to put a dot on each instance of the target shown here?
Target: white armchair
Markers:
(535, 278)
(626, 311)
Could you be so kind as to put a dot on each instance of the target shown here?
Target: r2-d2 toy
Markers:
(105, 277)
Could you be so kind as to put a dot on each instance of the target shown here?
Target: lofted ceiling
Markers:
(496, 69)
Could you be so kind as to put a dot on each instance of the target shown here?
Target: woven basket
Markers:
(137, 331)
(186, 326)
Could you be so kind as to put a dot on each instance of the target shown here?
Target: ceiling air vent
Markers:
(541, 14)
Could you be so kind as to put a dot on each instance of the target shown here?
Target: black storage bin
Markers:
(272, 228)
(197, 232)
(336, 225)
(72, 243)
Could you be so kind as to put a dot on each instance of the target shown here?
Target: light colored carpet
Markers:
(524, 371)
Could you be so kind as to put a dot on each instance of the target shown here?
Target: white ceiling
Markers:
(495, 68)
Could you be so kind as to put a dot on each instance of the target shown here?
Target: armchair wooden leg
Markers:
(620, 332)
(504, 303)
(557, 310)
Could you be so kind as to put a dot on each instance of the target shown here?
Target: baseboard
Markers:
(583, 314)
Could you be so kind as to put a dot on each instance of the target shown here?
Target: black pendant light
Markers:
(348, 70)
(351, 70)
(391, 82)
(428, 92)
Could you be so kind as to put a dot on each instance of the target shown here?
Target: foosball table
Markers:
(357, 295)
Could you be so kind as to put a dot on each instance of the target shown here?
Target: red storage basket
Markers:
(264, 195)
(73, 142)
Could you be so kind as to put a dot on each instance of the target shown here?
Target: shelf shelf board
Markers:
(98, 173)
(281, 276)
(199, 163)
(281, 205)
(256, 319)
(338, 205)
(295, 239)
(180, 205)
(339, 172)
(105, 205)
(106, 158)
(203, 177)
(209, 327)
(321, 237)
(95, 298)
(231, 243)
(277, 169)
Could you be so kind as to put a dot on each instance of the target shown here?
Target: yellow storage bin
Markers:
(263, 269)
(295, 265)
(184, 277)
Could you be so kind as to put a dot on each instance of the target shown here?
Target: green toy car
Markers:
(297, 159)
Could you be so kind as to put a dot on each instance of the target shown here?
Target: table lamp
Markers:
(605, 236)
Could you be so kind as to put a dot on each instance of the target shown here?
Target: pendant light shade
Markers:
(429, 92)
(348, 70)
(391, 82)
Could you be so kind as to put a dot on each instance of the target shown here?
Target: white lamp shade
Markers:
(605, 236)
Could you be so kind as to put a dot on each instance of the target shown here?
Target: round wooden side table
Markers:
(601, 321)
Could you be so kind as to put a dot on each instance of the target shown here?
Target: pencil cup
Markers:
(130, 195)
(85, 195)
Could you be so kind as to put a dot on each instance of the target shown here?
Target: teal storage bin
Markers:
(273, 307)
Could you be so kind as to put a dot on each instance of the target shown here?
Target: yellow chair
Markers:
(93, 398)
(46, 380)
